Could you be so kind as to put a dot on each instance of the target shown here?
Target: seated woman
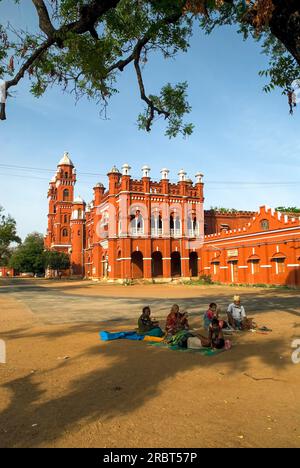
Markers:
(177, 327)
(176, 321)
(148, 327)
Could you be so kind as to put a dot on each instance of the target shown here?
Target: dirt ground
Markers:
(131, 394)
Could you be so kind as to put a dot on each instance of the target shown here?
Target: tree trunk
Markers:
(285, 25)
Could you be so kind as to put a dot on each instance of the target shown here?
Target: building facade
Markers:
(136, 229)
(145, 229)
(265, 251)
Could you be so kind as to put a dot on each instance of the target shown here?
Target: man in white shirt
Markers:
(236, 314)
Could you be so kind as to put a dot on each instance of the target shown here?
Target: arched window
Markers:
(65, 233)
(66, 175)
(224, 227)
(175, 225)
(65, 218)
(105, 218)
(79, 214)
(265, 225)
(66, 194)
(137, 224)
(192, 225)
(172, 221)
(156, 225)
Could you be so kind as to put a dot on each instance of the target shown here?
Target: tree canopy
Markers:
(288, 209)
(83, 45)
(56, 260)
(8, 235)
(29, 256)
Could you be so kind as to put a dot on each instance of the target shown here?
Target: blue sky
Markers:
(242, 136)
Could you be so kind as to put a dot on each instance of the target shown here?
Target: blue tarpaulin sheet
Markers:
(129, 335)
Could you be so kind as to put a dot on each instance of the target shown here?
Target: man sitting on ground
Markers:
(236, 314)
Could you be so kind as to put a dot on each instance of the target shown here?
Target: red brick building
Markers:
(265, 251)
(219, 220)
(142, 229)
(6, 272)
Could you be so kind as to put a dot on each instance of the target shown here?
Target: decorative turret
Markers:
(65, 179)
(199, 177)
(182, 175)
(165, 181)
(114, 170)
(146, 178)
(125, 179)
(165, 174)
(146, 171)
(200, 185)
(126, 170)
(182, 182)
(65, 160)
(99, 190)
(114, 179)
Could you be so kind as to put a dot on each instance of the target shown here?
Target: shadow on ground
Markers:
(53, 304)
(136, 374)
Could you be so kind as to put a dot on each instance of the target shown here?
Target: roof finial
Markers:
(65, 160)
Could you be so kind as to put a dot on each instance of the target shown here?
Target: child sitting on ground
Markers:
(210, 315)
(213, 313)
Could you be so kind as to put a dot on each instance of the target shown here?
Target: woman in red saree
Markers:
(176, 321)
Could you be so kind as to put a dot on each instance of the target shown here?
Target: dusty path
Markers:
(121, 393)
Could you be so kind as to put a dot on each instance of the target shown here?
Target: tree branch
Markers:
(152, 108)
(121, 64)
(44, 19)
(37, 54)
(89, 16)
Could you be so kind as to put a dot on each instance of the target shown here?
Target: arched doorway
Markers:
(137, 265)
(157, 265)
(193, 263)
(175, 264)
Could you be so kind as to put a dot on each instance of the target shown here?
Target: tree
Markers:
(29, 257)
(8, 235)
(56, 260)
(220, 209)
(288, 209)
(82, 46)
